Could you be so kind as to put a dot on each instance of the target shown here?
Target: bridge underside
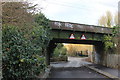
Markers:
(75, 41)
(98, 47)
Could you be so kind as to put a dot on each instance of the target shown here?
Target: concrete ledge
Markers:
(103, 73)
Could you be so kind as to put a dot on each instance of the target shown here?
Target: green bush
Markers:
(60, 50)
(60, 53)
(24, 41)
(14, 61)
(108, 42)
(21, 56)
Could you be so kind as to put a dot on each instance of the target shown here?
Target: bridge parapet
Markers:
(79, 27)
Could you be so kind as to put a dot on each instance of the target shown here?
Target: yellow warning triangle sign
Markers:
(72, 36)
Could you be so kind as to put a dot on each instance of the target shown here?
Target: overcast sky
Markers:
(77, 11)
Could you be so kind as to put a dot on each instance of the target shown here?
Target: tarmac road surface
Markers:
(74, 69)
(80, 73)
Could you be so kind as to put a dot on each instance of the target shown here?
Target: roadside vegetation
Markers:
(60, 53)
(111, 42)
(79, 50)
(25, 36)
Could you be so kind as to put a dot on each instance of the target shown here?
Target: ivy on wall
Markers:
(116, 30)
(107, 39)
(111, 41)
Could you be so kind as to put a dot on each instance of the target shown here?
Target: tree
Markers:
(60, 53)
(72, 50)
(111, 41)
(116, 19)
(107, 20)
(102, 21)
(23, 41)
(18, 14)
(43, 23)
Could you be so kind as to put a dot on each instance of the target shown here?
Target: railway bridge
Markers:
(67, 32)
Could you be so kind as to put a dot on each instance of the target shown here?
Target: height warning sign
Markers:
(72, 36)
(83, 37)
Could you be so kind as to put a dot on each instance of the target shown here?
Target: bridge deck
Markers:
(79, 27)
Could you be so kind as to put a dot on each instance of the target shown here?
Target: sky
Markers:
(77, 11)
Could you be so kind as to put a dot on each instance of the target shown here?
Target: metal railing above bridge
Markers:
(79, 27)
